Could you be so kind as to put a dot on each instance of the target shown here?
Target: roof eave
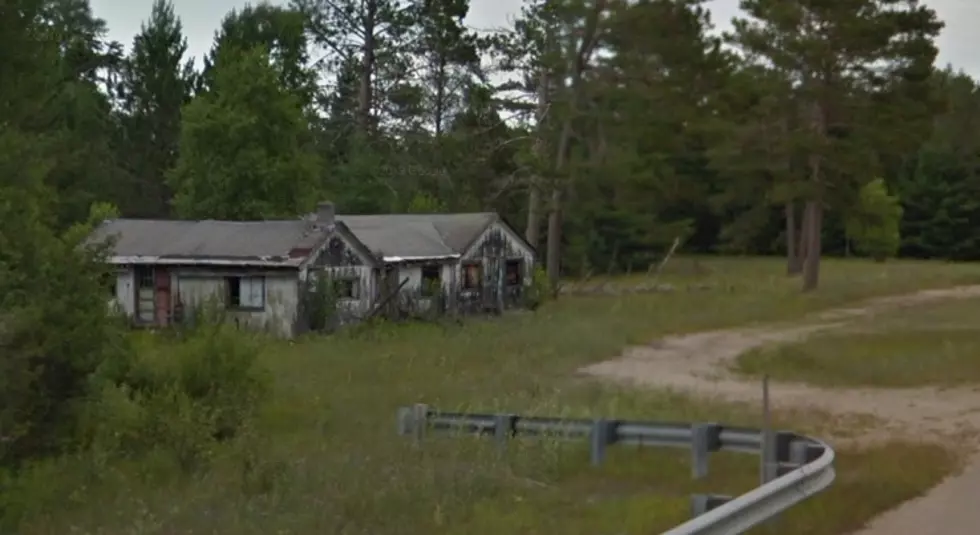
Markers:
(400, 259)
(204, 262)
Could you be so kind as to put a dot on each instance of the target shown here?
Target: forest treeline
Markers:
(602, 129)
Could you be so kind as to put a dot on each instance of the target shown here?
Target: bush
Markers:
(55, 332)
(180, 398)
(318, 302)
(539, 291)
(874, 226)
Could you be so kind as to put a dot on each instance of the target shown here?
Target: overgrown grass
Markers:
(936, 344)
(324, 458)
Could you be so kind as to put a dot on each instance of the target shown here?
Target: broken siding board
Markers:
(363, 289)
(277, 315)
(492, 251)
(336, 251)
(341, 260)
(125, 291)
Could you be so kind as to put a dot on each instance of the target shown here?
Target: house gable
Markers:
(499, 239)
(340, 249)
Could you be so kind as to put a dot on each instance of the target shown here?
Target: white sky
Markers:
(201, 18)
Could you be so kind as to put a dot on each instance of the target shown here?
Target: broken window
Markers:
(145, 302)
(346, 288)
(144, 277)
(246, 292)
(431, 279)
(471, 276)
(513, 274)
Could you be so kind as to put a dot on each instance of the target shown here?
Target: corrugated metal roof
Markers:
(418, 235)
(219, 240)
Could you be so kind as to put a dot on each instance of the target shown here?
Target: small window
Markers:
(514, 273)
(246, 292)
(431, 279)
(108, 281)
(144, 277)
(346, 288)
(471, 276)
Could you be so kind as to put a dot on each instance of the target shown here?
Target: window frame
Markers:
(255, 302)
(519, 263)
(429, 285)
(353, 283)
(477, 281)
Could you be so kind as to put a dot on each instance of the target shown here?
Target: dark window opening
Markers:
(108, 281)
(471, 276)
(346, 288)
(246, 292)
(144, 277)
(145, 299)
(514, 273)
(431, 280)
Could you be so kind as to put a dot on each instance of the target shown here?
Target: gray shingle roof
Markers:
(265, 241)
(393, 236)
(418, 235)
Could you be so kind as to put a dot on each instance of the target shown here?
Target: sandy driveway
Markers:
(697, 363)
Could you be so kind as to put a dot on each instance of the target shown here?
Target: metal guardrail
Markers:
(794, 467)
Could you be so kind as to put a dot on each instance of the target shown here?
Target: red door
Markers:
(161, 285)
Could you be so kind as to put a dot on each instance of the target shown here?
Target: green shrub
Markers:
(318, 303)
(539, 291)
(874, 225)
(55, 332)
(179, 397)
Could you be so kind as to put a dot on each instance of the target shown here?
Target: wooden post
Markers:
(767, 453)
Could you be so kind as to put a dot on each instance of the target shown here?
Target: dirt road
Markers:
(698, 364)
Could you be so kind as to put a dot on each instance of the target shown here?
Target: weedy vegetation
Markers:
(926, 345)
(221, 431)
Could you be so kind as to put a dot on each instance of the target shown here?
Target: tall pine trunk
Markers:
(814, 243)
(365, 93)
(814, 203)
(590, 37)
(794, 260)
(533, 230)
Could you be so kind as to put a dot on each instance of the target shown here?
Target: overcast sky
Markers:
(957, 44)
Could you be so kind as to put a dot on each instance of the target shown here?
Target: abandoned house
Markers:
(260, 270)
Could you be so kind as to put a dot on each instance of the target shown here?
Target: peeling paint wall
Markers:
(365, 288)
(125, 288)
(340, 261)
(191, 287)
(195, 287)
(491, 251)
(411, 294)
(413, 272)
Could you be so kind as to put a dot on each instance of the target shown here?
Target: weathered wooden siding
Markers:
(497, 245)
(191, 287)
(196, 287)
(366, 289)
(412, 298)
(413, 272)
(125, 288)
(339, 260)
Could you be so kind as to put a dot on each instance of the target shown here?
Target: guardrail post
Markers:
(404, 418)
(800, 452)
(702, 503)
(766, 455)
(603, 434)
(420, 419)
(705, 438)
(503, 428)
